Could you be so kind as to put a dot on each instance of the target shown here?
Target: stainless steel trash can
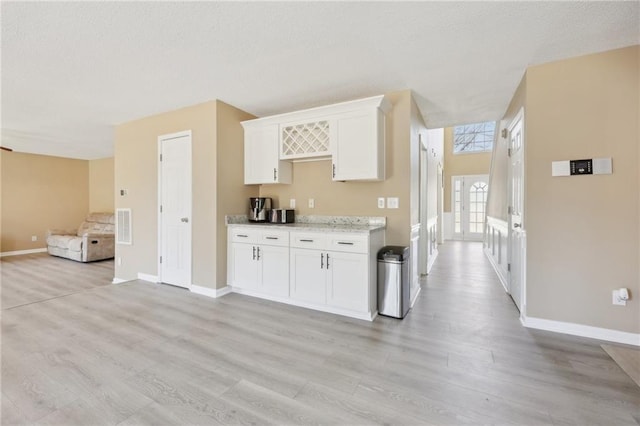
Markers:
(393, 281)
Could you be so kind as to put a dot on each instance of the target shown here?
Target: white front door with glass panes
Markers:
(469, 203)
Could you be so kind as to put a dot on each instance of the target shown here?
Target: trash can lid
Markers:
(394, 253)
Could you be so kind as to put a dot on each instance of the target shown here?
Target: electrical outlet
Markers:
(312, 203)
(292, 203)
(381, 202)
(616, 300)
(34, 238)
(393, 203)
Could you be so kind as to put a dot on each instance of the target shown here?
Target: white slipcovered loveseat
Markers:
(94, 239)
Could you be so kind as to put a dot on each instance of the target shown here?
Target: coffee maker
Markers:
(259, 208)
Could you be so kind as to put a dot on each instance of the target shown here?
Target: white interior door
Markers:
(469, 199)
(175, 209)
(517, 235)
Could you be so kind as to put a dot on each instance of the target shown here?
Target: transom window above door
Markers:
(476, 137)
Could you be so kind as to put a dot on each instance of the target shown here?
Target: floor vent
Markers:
(123, 226)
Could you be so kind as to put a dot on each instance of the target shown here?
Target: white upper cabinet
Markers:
(351, 133)
(358, 145)
(262, 162)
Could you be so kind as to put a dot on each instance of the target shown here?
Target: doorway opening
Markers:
(469, 205)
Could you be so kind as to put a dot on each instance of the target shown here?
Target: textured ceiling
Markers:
(72, 71)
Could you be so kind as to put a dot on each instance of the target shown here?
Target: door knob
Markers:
(184, 219)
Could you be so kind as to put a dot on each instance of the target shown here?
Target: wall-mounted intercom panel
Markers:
(595, 166)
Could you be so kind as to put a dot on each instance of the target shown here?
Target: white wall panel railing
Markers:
(496, 248)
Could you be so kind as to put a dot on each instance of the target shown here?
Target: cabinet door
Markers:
(274, 264)
(358, 146)
(261, 158)
(308, 276)
(348, 281)
(245, 267)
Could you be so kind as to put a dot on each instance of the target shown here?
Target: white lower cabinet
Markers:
(244, 265)
(339, 280)
(348, 280)
(330, 271)
(273, 271)
(308, 276)
(258, 267)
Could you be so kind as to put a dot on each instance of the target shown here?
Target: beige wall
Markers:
(460, 165)
(313, 180)
(39, 193)
(101, 192)
(232, 194)
(582, 230)
(216, 139)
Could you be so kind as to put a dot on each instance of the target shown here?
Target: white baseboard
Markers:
(148, 277)
(19, 252)
(322, 308)
(582, 330)
(210, 292)
(119, 281)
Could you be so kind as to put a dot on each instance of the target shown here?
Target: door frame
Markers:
(423, 233)
(463, 178)
(161, 139)
(523, 246)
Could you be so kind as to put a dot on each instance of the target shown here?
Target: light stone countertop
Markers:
(354, 224)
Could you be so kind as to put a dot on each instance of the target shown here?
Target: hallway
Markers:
(490, 352)
(138, 353)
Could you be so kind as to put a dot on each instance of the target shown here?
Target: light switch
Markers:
(560, 168)
(292, 203)
(393, 203)
(602, 166)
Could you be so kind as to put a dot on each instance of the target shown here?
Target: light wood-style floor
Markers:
(138, 353)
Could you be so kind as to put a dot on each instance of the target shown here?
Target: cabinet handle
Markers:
(258, 256)
(271, 238)
(306, 241)
(334, 170)
(327, 260)
(345, 243)
(241, 235)
(254, 252)
(321, 260)
(275, 174)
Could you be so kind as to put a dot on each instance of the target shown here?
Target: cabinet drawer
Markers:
(349, 243)
(308, 240)
(274, 238)
(244, 235)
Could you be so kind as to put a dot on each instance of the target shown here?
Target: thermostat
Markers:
(581, 167)
(595, 166)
